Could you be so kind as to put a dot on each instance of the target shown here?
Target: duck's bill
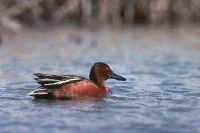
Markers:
(118, 77)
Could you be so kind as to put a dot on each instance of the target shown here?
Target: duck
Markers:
(75, 87)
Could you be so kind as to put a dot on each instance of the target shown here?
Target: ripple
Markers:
(180, 109)
(161, 93)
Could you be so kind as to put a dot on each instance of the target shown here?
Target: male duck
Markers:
(75, 87)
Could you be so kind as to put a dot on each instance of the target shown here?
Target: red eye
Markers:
(107, 69)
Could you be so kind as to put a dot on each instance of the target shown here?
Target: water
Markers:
(161, 94)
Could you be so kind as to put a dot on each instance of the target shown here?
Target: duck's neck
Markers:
(98, 80)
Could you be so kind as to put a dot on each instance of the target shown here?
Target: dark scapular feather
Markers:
(55, 81)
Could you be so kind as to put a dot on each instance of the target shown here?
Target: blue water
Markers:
(161, 95)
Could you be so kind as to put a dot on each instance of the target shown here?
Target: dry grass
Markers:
(17, 13)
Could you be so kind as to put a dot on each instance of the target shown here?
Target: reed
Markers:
(34, 12)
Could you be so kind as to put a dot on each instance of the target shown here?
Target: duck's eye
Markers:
(107, 69)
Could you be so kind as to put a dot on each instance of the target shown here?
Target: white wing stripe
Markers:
(62, 82)
(38, 92)
(53, 80)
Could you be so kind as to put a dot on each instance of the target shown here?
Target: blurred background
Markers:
(155, 44)
(16, 14)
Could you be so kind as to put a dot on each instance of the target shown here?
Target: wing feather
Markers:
(54, 81)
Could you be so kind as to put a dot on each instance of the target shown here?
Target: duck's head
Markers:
(101, 72)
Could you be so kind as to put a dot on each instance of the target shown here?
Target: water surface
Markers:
(161, 95)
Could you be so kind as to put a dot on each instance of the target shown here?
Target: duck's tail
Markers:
(41, 93)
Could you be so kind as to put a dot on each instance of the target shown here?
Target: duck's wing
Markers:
(55, 81)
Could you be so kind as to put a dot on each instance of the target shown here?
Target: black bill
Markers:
(117, 77)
